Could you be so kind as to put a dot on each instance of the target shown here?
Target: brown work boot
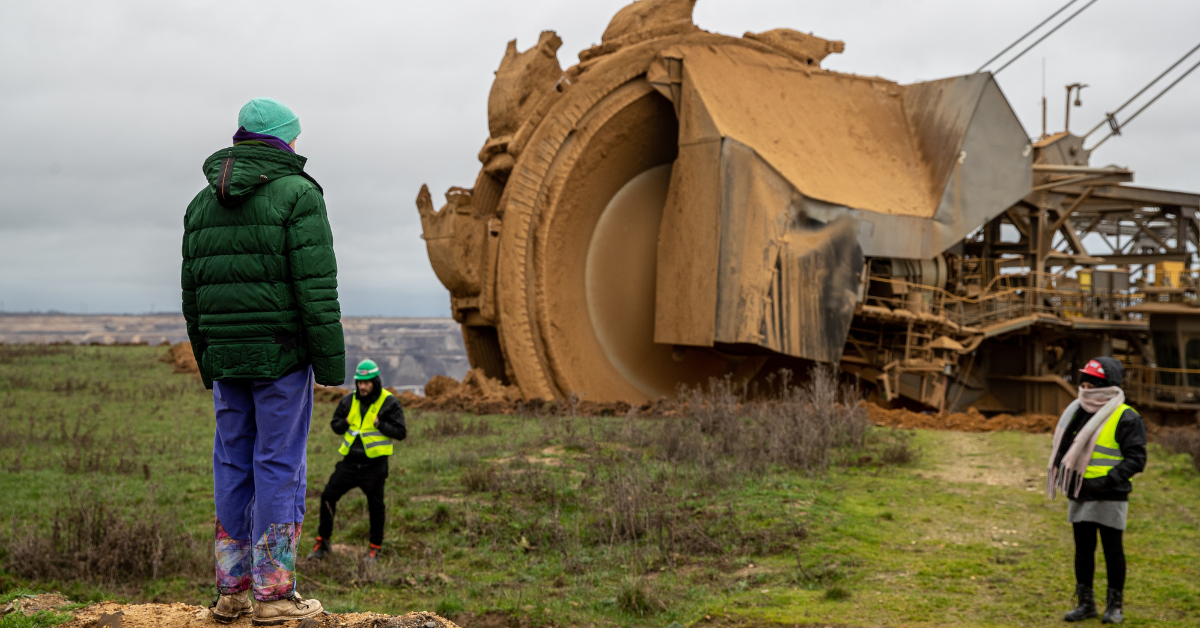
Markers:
(230, 607)
(285, 610)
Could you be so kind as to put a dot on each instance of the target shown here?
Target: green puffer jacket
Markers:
(259, 276)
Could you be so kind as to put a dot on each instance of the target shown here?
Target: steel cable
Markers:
(1022, 38)
(1142, 91)
(1135, 114)
(1043, 37)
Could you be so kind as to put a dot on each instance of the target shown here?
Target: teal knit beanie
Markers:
(269, 117)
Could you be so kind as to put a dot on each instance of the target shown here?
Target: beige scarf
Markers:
(1068, 477)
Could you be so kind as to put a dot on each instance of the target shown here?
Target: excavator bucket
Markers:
(683, 205)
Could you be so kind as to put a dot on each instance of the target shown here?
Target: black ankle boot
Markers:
(321, 550)
(1087, 604)
(1112, 611)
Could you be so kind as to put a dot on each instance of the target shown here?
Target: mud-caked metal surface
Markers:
(681, 205)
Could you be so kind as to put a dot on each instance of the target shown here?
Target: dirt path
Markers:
(180, 615)
(977, 459)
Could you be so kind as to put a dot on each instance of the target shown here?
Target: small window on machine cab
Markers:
(1191, 354)
(1166, 350)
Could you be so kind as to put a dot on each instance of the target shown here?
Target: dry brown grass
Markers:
(651, 482)
(451, 425)
(10, 354)
(81, 449)
(90, 540)
(802, 426)
(479, 478)
(1182, 441)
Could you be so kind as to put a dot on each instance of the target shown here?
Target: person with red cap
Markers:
(1099, 444)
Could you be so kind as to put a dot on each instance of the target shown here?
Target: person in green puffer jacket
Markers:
(259, 283)
(259, 276)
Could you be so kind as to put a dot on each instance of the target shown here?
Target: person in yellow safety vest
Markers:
(369, 420)
(1099, 444)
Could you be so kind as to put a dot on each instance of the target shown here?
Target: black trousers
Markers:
(370, 477)
(1085, 554)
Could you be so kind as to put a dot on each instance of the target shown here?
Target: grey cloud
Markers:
(128, 98)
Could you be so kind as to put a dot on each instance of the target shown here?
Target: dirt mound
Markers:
(180, 615)
(480, 394)
(180, 357)
(477, 393)
(441, 386)
(970, 421)
(331, 394)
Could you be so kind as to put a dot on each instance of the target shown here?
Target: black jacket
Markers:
(391, 420)
(1131, 436)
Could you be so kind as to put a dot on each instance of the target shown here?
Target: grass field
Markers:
(575, 522)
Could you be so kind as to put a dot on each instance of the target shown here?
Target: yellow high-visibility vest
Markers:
(373, 440)
(1108, 451)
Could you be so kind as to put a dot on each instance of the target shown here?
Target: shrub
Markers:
(898, 453)
(451, 425)
(480, 478)
(636, 598)
(89, 539)
(337, 569)
(799, 427)
(1183, 441)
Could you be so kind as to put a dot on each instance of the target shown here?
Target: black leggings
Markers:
(1085, 554)
(370, 478)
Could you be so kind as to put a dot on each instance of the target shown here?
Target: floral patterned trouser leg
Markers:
(274, 570)
(259, 470)
(233, 563)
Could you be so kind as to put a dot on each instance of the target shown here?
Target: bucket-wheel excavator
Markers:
(682, 205)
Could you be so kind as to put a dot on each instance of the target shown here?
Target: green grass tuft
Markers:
(635, 598)
(837, 594)
(449, 606)
(40, 619)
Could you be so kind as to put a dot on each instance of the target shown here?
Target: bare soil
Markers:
(970, 421)
(974, 459)
(40, 602)
(180, 615)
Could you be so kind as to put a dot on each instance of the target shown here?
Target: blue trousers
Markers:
(260, 473)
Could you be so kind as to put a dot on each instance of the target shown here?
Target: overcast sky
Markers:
(107, 110)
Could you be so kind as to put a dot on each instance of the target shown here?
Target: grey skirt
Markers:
(1112, 514)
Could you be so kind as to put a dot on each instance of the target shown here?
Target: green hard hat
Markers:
(367, 369)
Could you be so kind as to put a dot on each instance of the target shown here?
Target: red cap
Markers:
(1094, 368)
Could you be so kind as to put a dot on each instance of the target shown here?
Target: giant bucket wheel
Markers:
(578, 261)
(683, 205)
